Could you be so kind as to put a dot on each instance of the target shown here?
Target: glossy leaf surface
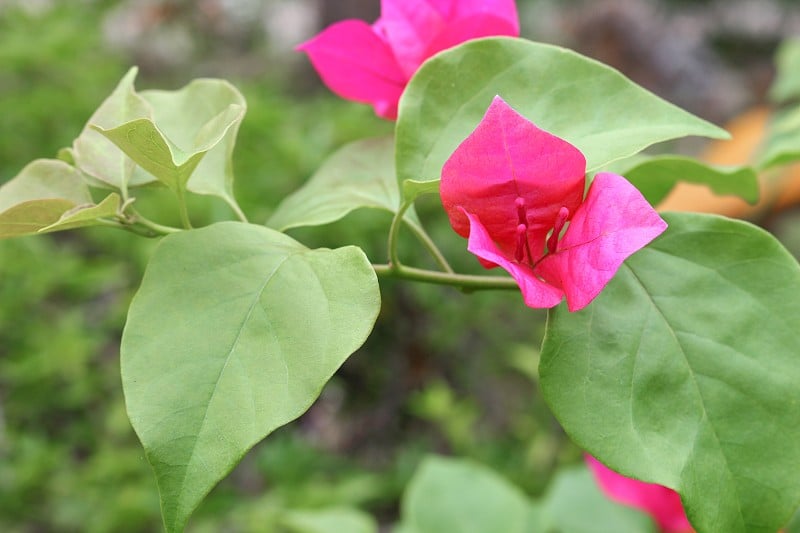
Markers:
(233, 333)
(683, 372)
(592, 106)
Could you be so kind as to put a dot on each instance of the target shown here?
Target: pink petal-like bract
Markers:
(512, 188)
(372, 64)
(357, 64)
(661, 503)
(509, 173)
(613, 222)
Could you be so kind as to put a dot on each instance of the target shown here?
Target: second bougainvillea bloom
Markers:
(661, 503)
(373, 63)
(512, 189)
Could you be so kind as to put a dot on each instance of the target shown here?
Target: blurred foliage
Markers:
(432, 377)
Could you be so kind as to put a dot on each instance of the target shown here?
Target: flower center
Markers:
(561, 219)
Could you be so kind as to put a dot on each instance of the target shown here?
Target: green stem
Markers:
(463, 281)
(158, 229)
(187, 224)
(143, 231)
(426, 240)
(236, 209)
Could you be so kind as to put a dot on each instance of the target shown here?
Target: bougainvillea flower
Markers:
(661, 503)
(516, 192)
(372, 64)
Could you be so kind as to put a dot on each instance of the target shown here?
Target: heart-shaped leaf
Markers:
(233, 333)
(656, 176)
(684, 371)
(360, 174)
(49, 195)
(594, 107)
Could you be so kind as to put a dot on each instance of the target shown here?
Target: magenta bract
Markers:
(661, 503)
(372, 64)
(512, 189)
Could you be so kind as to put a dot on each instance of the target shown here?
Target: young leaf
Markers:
(459, 496)
(604, 114)
(95, 155)
(233, 333)
(360, 174)
(203, 116)
(49, 195)
(656, 176)
(683, 372)
(142, 141)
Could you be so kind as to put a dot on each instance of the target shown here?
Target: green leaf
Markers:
(684, 372)
(142, 141)
(84, 215)
(459, 496)
(574, 503)
(589, 104)
(329, 520)
(49, 195)
(360, 174)
(655, 177)
(787, 79)
(97, 156)
(412, 189)
(233, 333)
(203, 116)
(782, 143)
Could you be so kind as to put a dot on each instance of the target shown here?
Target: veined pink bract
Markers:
(511, 189)
(372, 64)
(661, 503)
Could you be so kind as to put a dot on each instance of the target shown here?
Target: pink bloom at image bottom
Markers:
(516, 192)
(373, 63)
(661, 503)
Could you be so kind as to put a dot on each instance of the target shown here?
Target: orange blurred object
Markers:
(779, 189)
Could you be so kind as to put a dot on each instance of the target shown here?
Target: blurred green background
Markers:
(443, 372)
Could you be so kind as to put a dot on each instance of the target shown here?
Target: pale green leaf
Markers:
(142, 141)
(86, 215)
(574, 503)
(97, 156)
(203, 116)
(459, 496)
(360, 174)
(656, 176)
(44, 194)
(412, 189)
(330, 520)
(233, 333)
(589, 104)
(684, 372)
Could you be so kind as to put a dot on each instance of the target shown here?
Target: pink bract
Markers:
(511, 189)
(661, 503)
(372, 64)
